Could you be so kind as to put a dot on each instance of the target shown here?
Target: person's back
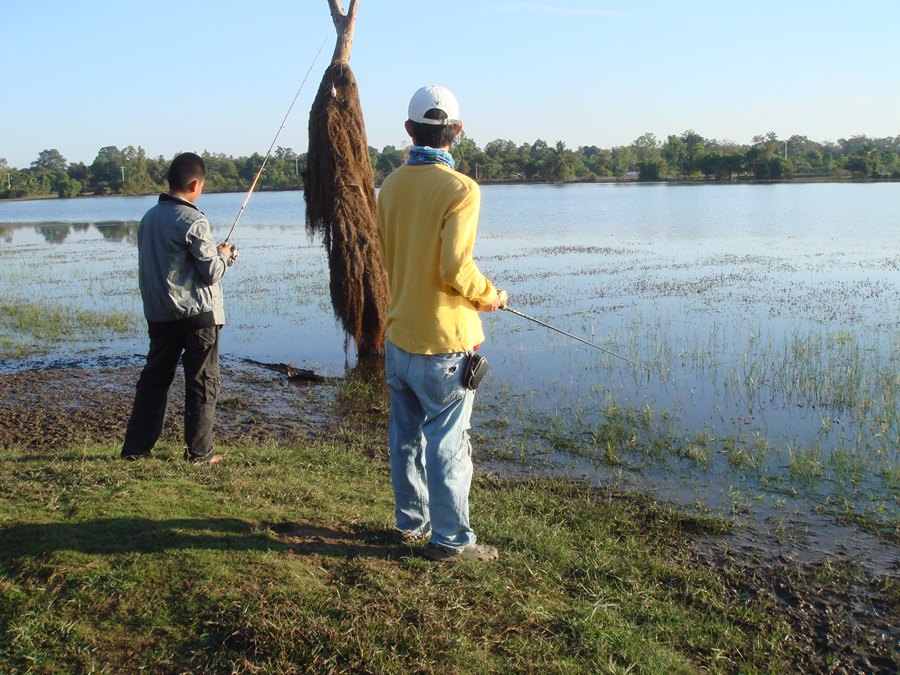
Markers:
(179, 267)
(429, 214)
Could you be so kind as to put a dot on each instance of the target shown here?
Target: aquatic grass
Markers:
(606, 433)
(805, 464)
(890, 477)
(622, 438)
(738, 457)
(697, 450)
(745, 454)
(560, 435)
(871, 517)
(292, 290)
(30, 328)
(12, 348)
(849, 468)
(832, 383)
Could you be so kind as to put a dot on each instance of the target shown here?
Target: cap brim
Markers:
(437, 123)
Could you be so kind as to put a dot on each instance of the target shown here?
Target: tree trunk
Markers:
(344, 25)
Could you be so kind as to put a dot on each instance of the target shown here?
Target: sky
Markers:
(219, 75)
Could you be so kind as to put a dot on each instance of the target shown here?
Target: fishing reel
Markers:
(232, 252)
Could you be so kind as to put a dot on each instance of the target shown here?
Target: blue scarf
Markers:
(422, 154)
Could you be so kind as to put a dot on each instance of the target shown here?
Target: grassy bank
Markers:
(281, 559)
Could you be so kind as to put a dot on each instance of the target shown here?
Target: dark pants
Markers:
(198, 349)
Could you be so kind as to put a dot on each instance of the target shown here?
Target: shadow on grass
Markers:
(142, 535)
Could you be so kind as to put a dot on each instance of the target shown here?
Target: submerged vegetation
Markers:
(28, 328)
(838, 399)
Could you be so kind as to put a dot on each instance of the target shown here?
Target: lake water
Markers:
(754, 329)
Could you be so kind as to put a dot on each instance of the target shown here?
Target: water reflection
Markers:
(125, 230)
(116, 231)
(53, 233)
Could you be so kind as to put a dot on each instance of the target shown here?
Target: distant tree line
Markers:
(130, 172)
(688, 156)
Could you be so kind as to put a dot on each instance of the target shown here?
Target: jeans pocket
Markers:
(394, 362)
(444, 381)
(465, 448)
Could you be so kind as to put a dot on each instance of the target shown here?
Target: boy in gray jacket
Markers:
(179, 269)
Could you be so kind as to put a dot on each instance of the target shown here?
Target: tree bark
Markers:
(344, 24)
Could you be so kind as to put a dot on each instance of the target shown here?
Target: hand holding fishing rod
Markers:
(503, 297)
(229, 252)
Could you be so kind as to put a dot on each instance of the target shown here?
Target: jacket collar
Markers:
(167, 197)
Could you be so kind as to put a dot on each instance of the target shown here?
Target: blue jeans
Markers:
(430, 452)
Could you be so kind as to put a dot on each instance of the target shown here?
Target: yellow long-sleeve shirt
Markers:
(427, 219)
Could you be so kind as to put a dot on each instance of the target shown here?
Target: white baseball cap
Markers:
(434, 97)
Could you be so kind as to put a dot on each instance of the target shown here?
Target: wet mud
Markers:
(844, 619)
(50, 408)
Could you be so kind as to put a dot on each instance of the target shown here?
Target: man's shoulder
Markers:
(182, 212)
(437, 173)
(469, 183)
(172, 214)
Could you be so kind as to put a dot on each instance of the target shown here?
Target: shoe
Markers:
(479, 552)
(209, 459)
(411, 538)
(131, 456)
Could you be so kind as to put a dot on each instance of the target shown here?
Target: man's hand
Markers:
(499, 302)
(228, 251)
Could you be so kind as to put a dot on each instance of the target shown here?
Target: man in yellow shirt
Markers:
(427, 218)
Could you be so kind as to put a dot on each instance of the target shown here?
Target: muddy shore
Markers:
(58, 407)
(846, 619)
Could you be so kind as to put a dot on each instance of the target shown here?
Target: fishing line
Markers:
(587, 342)
(269, 153)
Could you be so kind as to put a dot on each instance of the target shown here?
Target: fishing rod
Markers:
(587, 342)
(269, 153)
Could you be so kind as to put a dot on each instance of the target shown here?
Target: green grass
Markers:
(30, 328)
(280, 560)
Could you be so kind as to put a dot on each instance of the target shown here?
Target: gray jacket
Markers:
(179, 267)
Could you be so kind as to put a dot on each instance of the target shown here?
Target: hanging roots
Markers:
(339, 188)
